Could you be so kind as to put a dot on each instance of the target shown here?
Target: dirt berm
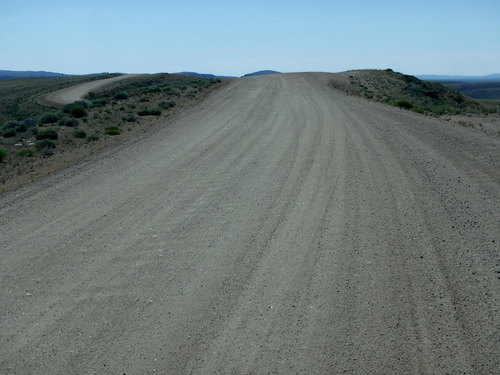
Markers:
(279, 227)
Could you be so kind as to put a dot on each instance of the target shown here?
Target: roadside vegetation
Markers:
(35, 137)
(407, 92)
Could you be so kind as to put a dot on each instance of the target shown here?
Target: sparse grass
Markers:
(93, 137)
(3, 154)
(130, 118)
(26, 153)
(99, 102)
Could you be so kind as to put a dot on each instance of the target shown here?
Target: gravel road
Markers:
(72, 94)
(279, 227)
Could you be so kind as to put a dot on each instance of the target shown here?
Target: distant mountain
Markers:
(11, 74)
(202, 75)
(442, 78)
(261, 73)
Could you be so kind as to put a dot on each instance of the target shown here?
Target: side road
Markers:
(75, 93)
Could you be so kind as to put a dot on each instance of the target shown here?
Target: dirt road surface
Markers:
(279, 227)
(72, 94)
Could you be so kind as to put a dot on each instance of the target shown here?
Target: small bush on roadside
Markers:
(112, 130)
(47, 134)
(121, 95)
(45, 144)
(49, 118)
(167, 104)
(79, 133)
(149, 112)
(3, 154)
(26, 153)
(405, 104)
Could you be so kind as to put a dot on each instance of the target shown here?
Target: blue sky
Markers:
(236, 37)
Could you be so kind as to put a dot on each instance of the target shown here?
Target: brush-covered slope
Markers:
(405, 91)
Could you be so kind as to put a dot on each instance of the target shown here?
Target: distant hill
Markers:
(476, 89)
(480, 87)
(11, 74)
(203, 75)
(261, 73)
(441, 78)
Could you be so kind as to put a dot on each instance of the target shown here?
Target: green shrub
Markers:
(9, 133)
(149, 112)
(3, 154)
(130, 118)
(49, 118)
(93, 137)
(79, 133)
(78, 112)
(21, 128)
(45, 144)
(11, 124)
(405, 104)
(79, 103)
(112, 130)
(167, 104)
(47, 134)
(26, 153)
(69, 122)
(121, 96)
